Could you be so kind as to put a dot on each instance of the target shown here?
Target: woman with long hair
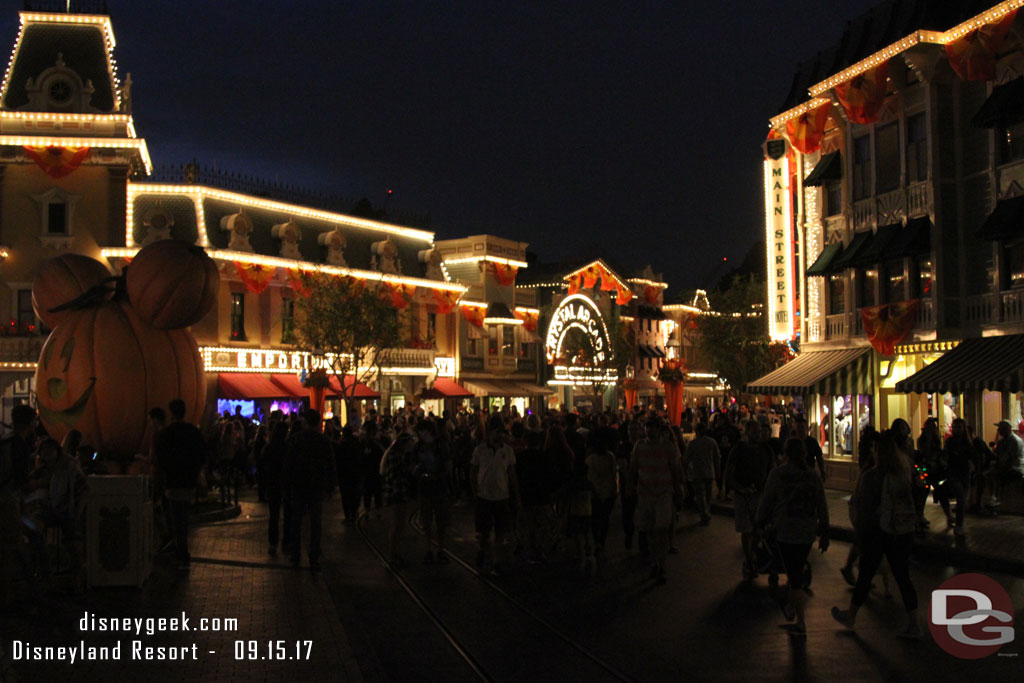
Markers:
(886, 501)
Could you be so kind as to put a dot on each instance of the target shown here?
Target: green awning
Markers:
(1006, 221)
(879, 246)
(829, 167)
(849, 256)
(821, 265)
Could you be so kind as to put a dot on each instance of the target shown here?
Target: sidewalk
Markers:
(992, 543)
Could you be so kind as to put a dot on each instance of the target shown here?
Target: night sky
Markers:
(632, 127)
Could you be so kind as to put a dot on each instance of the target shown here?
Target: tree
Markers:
(349, 323)
(736, 341)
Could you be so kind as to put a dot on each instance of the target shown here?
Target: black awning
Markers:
(992, 363)
(659, 352)
(877, 249)
(1006, 221)
(829, 167)
(646, 351)
(860, 242)
(914, 239)
(1004, 106)
(823, 263)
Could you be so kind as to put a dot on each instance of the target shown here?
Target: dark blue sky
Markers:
(631, 126)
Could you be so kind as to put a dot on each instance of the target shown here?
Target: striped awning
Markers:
(838, 372)
(992, 363)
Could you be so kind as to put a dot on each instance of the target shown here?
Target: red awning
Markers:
(291, 384)
(247, 386)
(450, 389)
(362, 391)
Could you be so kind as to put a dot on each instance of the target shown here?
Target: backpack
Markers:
(897, 515)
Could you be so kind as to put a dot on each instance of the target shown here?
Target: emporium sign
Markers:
(263, 360)
(578, 312)
(779, 226)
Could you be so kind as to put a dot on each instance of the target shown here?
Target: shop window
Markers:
(1011, 143)
(473, 347)
(836, 294)
(1015, 263)
(925, 273)
(917, 148)
(833, 198)
(526, 350)
(894, 282)
(26, 314)
(288, 321)
(887, 150)
(869, 288)
(238, 317)
(431, 327)
(861, 167)
(492, 340)
(508, 340)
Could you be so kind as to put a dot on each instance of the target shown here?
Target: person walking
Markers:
(274, 455)
(655, 467)
(180, 454)
(793, 503)
(601, 473)
(398, 480)
(960, 456)
(888, 512)
(702, 459)
(745, 475)
(309, 475)
(433, 467)
(493, 476)
(347, 452)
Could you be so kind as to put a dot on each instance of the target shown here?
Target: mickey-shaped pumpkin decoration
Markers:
(110, 357)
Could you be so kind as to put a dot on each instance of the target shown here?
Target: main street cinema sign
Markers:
(578, 312)
(778, 200)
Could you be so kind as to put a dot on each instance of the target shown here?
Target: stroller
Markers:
(768, 560)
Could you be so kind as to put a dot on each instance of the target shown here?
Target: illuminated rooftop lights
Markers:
(137, 144)
(99, 21)
(306, 266)
(525, 309)
(492, 259)
(200, 192)
(647, 283)
(814, 103)
(498, 314)
(601, 263)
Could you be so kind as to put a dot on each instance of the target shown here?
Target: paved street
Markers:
(703, 625)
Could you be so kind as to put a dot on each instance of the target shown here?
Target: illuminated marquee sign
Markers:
(578, 312)
(779, 226)
(262, 360)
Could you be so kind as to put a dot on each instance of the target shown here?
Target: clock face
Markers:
(60, 91)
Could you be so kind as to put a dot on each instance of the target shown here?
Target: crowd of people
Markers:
(541, 485)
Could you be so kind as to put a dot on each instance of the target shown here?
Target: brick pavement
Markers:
(231, 577)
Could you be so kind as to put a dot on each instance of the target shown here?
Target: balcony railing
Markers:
(836, 326)
(919, 199)
(1012, 307)
(410, 358)
(846, 325)
(925, 317)
(864, 214)
(21, 349)
(981, 309)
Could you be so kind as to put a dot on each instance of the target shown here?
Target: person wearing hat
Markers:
(15, 464)
(1009, 463)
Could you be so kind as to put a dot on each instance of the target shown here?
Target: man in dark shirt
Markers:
(309, 475)
(814, 454)
(180, 450)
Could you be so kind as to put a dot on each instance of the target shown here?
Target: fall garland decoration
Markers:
(401, 294)
(254, 276)
(623, 295)
(887, 325)
(57, 161)
(474, 315)
(445, 300)
(529, 319)
(973, 57)
(862, 96)
(806, 131)
(298, 281)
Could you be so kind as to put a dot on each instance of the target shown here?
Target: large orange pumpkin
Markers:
(102, 369)
(62, 279)
(172, 284)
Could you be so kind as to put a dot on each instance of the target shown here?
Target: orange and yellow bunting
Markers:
(651, 294)
(57, 161)
(254, 276)
(401, 294)
(862, 96)
(574, 284)
(529, 320)
(887, 325)
(506, 274)
(806, 131)
(608, 283)
(474, 315)
(298, 282)
(445, 300)
(590, 276)
(973, 57)
(623, 295)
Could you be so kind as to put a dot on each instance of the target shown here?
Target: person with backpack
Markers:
(888, 513)
(793, 503)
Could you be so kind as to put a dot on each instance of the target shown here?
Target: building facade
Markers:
(891, 184)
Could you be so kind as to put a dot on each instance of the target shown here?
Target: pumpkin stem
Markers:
(95, 295)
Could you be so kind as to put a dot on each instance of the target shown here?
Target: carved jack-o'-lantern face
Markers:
(55, 406)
